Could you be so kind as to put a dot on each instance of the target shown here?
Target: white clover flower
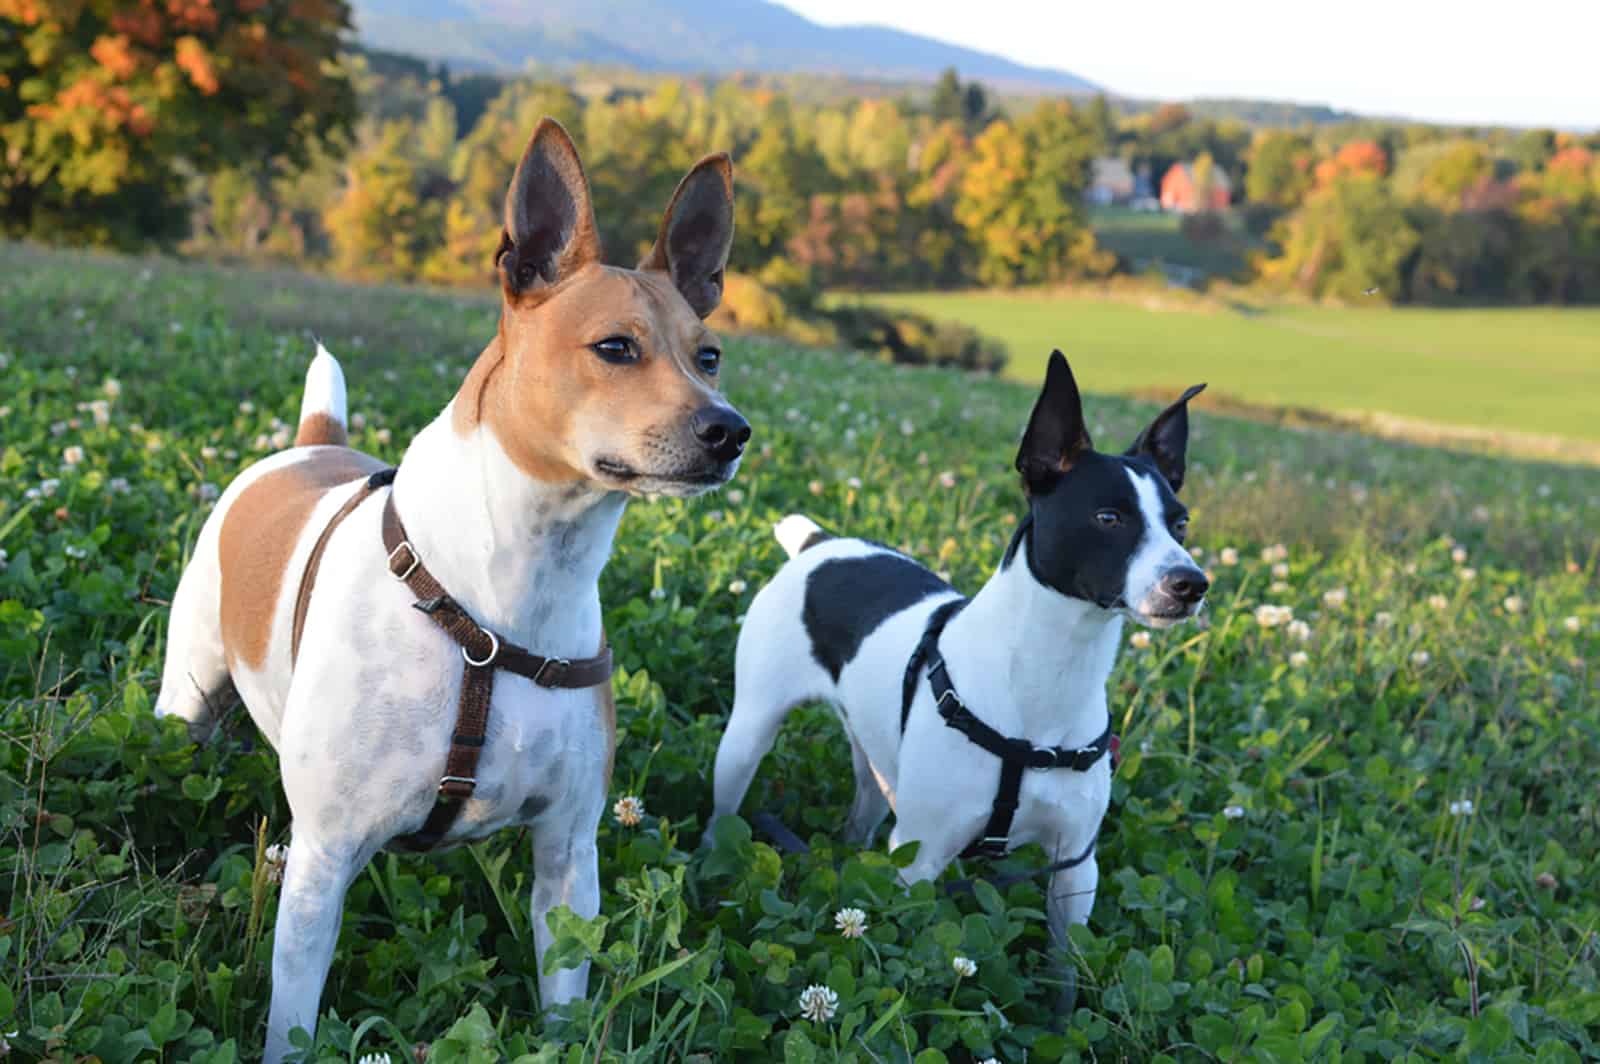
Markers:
(247, 407)
(1467, 574)
(274, 858)
(1280, 570)
(1299, 630)
(1572, 624)
(1480, 513)
(100, 409)
(48, 486)
(375, 1058)
(1461, 808)
(119, 485)
(57, 427)
(852, 922)
(358, 420)
(947, 479)
(1383, 618)
(1275, 553)
(737, 587)
(1299, 659)
(818, 1003)
(1279, 587)
(1513, 603)
(1197, 553)
(4, 560)
(735, 495)
(658, 593)
(72, 455)
(1421, 657)
(208, 491)
(1459, 555)
(907, 428)
(1335, 597)
(629, 811)
(112, 387)
(1229, 556)
(209, 453)
(964, 966)
(854, 483)
(1233, 812)
(72, 550)
(1139, 640)
(815, 487)
(1270, 616)
(383, 436)
(1438, 602)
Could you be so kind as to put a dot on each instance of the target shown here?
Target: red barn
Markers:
(1180, 193)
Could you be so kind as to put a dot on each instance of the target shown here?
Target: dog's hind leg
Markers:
(315, 879)
(870, 805)
(194, 676)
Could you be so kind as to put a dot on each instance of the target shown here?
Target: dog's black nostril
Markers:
(722, 430)
(1189, 585)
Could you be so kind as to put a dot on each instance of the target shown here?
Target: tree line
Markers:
(244, 128)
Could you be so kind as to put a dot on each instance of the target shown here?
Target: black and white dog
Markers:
(993, 734)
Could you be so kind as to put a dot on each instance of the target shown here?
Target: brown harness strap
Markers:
(482, 651)
(308, 578)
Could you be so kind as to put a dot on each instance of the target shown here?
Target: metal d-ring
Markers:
(494, 651)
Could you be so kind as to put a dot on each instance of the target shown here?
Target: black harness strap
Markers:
(1014, 754)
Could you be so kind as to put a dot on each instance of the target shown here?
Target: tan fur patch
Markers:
(320, 429)
(538, 384)
(258, 538)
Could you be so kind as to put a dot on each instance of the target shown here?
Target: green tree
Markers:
(1280, 172)
(104, 106)
(1351, 238)
(1021, 197)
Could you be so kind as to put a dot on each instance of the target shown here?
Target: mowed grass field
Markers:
(1369, 835)
(1532, 370)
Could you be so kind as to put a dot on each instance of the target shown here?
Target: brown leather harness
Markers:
(482, 651)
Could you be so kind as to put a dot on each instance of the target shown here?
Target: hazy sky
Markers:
(1518, 62)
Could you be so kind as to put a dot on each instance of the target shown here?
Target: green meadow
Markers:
(1531, 370)
(1355, 818)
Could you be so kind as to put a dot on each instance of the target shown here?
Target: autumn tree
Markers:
(105, 106)
(1021, 198)
(1280, 169)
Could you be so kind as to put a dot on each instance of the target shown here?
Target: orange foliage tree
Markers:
(105, 105)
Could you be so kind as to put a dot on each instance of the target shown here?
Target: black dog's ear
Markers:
(1056, 435)
(549, 226)
(1166, 440)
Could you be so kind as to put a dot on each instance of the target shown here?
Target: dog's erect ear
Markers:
(1166, 440)
(696, 233)
(549, 229)
(1056, 434)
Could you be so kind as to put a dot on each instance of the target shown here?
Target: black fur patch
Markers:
(1067, 549)
(819, 536)
(846, 601)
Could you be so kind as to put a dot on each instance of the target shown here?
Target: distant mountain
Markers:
(677, 36)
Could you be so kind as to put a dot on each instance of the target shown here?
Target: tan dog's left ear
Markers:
(697, 233)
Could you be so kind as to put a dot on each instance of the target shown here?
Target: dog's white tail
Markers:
(322, 410)
(797, 532)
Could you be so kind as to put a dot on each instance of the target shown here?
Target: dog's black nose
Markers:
(722, 430)
(1185, 584)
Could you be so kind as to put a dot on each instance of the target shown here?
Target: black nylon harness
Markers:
(1014, 754)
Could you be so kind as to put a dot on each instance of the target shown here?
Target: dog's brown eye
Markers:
(1108, 518)
(710, 360)
(1180, 527)
(615, 349)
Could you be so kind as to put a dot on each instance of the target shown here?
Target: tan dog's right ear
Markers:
(697, 234)
(549, 228)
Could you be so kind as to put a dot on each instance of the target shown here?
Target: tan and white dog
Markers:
(600, 384)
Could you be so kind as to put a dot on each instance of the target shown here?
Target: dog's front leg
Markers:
(566, 871)
(315, 879)
(1071, 898)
